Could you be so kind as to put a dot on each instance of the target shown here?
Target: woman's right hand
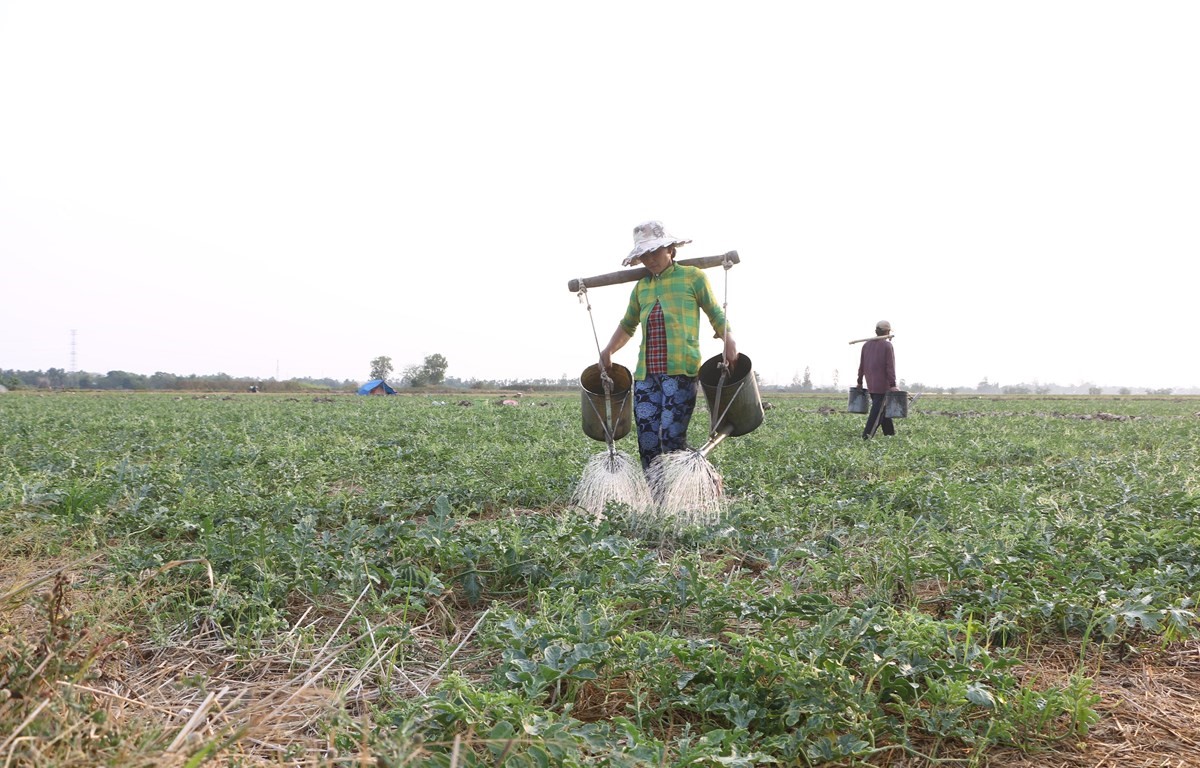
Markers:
(618, 340)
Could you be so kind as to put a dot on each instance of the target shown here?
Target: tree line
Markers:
(57, 378)
(432, 373)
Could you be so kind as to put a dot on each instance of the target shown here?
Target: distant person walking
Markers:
(877, 364)
(666, 304)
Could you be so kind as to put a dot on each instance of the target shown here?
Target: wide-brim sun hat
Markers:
(650, 236)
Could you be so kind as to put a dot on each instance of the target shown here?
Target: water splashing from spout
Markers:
(688, 489)
(614, 476)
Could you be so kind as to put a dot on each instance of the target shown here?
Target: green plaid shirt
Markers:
(682, 292)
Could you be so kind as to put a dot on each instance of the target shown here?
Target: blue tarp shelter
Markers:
(376, 387)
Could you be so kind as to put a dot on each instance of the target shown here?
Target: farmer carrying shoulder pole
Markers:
(667, 305)
(877, 363)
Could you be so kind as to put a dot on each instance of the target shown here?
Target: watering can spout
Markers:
(715, 439)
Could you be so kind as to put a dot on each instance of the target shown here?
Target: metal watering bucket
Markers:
(859, 402)
(895, 405)
(734, 405)
(607, 417)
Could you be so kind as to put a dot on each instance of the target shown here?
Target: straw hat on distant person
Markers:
(647, 237)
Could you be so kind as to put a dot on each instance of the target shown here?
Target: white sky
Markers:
(297, 187)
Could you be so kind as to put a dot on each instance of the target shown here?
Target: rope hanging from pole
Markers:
(605, 378)
(713, 417)
(726, 265)
(584, 299)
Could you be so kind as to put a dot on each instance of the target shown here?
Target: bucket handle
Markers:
(607, 381)
(712, 422)
(720, 386)
(606, 417)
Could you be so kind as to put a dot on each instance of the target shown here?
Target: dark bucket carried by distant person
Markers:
(895, 405)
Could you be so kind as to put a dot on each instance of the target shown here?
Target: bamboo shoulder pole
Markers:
(629, 275)
(873, 338)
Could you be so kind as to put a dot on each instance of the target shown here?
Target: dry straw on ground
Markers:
(1149, 710)
(162, 702)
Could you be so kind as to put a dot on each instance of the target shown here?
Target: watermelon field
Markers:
(300, 580)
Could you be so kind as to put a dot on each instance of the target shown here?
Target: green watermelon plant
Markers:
(411, 572)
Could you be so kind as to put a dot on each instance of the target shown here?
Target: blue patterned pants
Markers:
(662, 409)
